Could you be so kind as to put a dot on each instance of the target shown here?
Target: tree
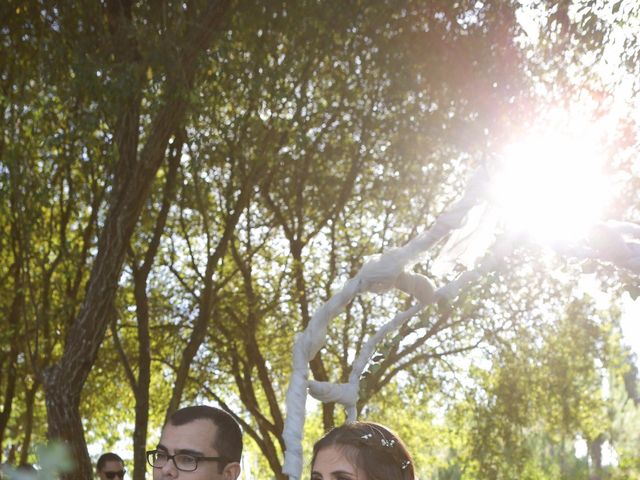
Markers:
(189, 181)
(126, 65)
(537, 398)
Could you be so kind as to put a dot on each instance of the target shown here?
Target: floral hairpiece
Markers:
(389, 443)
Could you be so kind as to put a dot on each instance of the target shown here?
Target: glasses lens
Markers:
(157, 459)
(186, 463)
(112, 475)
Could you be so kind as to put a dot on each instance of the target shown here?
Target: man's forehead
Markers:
(197, 435)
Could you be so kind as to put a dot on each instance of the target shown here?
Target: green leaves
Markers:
(53, 460)
(316, 134)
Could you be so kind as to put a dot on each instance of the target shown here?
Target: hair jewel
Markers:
(387, 443)
(405, 464)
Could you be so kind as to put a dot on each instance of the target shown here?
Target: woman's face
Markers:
(332, 464)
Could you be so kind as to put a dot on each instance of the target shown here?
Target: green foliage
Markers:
(315, 134)
(52, 460)
(539, 397)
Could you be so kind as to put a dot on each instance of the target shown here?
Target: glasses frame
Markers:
(175, 464)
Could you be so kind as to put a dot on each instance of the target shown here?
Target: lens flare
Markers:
(551, 187)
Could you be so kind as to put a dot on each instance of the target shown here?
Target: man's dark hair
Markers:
(228, 439)
(106, 457)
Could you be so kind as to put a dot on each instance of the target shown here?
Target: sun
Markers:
(551, 185)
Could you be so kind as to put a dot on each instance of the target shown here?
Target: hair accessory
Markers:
(367, 436)
(405, 464)
(387, 443)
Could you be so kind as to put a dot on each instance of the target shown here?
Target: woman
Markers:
(361, 451)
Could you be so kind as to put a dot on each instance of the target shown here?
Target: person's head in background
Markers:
(361, 451)
(110, 466)
(198, 443)
(26, 470)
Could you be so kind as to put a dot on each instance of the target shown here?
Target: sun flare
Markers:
(551, 186)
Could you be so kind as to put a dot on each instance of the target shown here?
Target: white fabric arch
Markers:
(615, 242)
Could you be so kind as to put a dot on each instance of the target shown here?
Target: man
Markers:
(110, 466)
(198, 443)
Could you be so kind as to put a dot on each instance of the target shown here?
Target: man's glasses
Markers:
(112, 475)
(182, 461)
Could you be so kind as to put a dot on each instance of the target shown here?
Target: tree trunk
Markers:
(595, 453)
(140, 431)
(142, 387)
(7, 404)
(64, 423)
(63, 381)
(11, 374)
(28, 424)
(15, 314)
(140, 276)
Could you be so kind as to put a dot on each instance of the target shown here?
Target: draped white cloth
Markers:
(615, 242)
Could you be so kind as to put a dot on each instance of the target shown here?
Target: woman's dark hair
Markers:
(108, 457)
(372, 448)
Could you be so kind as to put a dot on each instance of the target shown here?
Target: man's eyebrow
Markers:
(182, 451)
(188, 451)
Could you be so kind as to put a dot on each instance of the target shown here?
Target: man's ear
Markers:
(231, 471)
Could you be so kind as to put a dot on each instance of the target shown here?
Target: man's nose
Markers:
(169, 470)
